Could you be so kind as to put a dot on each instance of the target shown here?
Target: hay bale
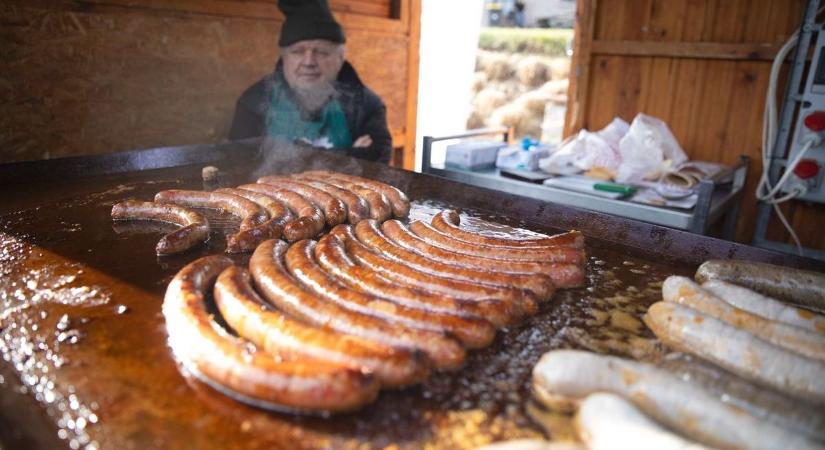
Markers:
(533, 102)
(559, 68)
(479, 82)
(555, 87)
(533, 71)
(488, 100)
(476, 120)
(514, 115)
(499, 67)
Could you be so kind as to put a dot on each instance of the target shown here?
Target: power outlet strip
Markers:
(810, 171)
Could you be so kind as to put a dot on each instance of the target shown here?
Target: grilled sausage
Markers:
(563, 275)
(357, 208)
(690, 331)
(609, 422)
(399, 201)
(236, 368)
(541, 254)
(282, 290)
(250, 213)
(195, 227)
(672, 401)
(379, 204)
(685, 292)
(503, 306)
(277, 211)
(471, 331)
(247, 240)
(332, 257)
(283, 336)
(428, 330)
(447, 222)
(367, 232)
(310, 219)
(744, 298)
(334, 209)
(798, 287)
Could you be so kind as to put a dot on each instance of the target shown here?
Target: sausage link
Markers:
(335, 210)
(195, 227)
(415, 325)
(472, 331)
(540, 254)
(250, 213)
(357, 208)
(247, 240)
(235, 367)
(367, 232)
(447, 222)
(332, 257)
(501, 306)
(563, 275)
(380, 207)
(283, 336)
(279, 288)
(399, 201)
(310, 221)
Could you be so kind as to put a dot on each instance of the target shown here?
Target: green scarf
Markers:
(284, 121)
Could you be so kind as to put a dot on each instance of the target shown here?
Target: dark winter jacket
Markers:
(364, 110)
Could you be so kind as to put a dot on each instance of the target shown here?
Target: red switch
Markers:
(807, 168)
(815, 121)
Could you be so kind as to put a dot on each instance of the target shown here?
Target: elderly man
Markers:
(314, 95)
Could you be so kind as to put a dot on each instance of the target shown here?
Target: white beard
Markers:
(312, 100)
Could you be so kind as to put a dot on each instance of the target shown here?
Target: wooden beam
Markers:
(696, 50)
(580, 66)
(267, 10)
(413, 13)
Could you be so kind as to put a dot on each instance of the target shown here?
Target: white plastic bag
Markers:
(583, 152)
(647, 150)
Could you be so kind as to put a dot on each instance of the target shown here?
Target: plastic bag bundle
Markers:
(648, 150)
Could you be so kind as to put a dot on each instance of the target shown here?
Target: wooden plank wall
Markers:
(702, 67)
(99, 76)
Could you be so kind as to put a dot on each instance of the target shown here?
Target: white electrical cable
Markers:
(764, 191)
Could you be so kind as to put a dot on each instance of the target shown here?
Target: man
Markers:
(314, 95)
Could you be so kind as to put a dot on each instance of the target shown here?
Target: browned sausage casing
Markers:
(471, 331)
(195, 227)
(283, 336)
(310, 221)
(357, 208)
(557, 254)
(251, 214)
(332, 257)
(563, 275)
(447, 222)
(279, 288)
(367, 232)
(334, 209)
(247, 240)
(399, 201)
(236, 368)
(428, 335)
(501, 306)
(380, 207)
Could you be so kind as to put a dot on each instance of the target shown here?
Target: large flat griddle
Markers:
(87, 355)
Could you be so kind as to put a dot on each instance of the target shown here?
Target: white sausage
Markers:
(679, 405)
(685, 292)
(607, 421)
(767, 307)
(690, 331)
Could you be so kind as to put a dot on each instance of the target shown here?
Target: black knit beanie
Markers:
(308, 19)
